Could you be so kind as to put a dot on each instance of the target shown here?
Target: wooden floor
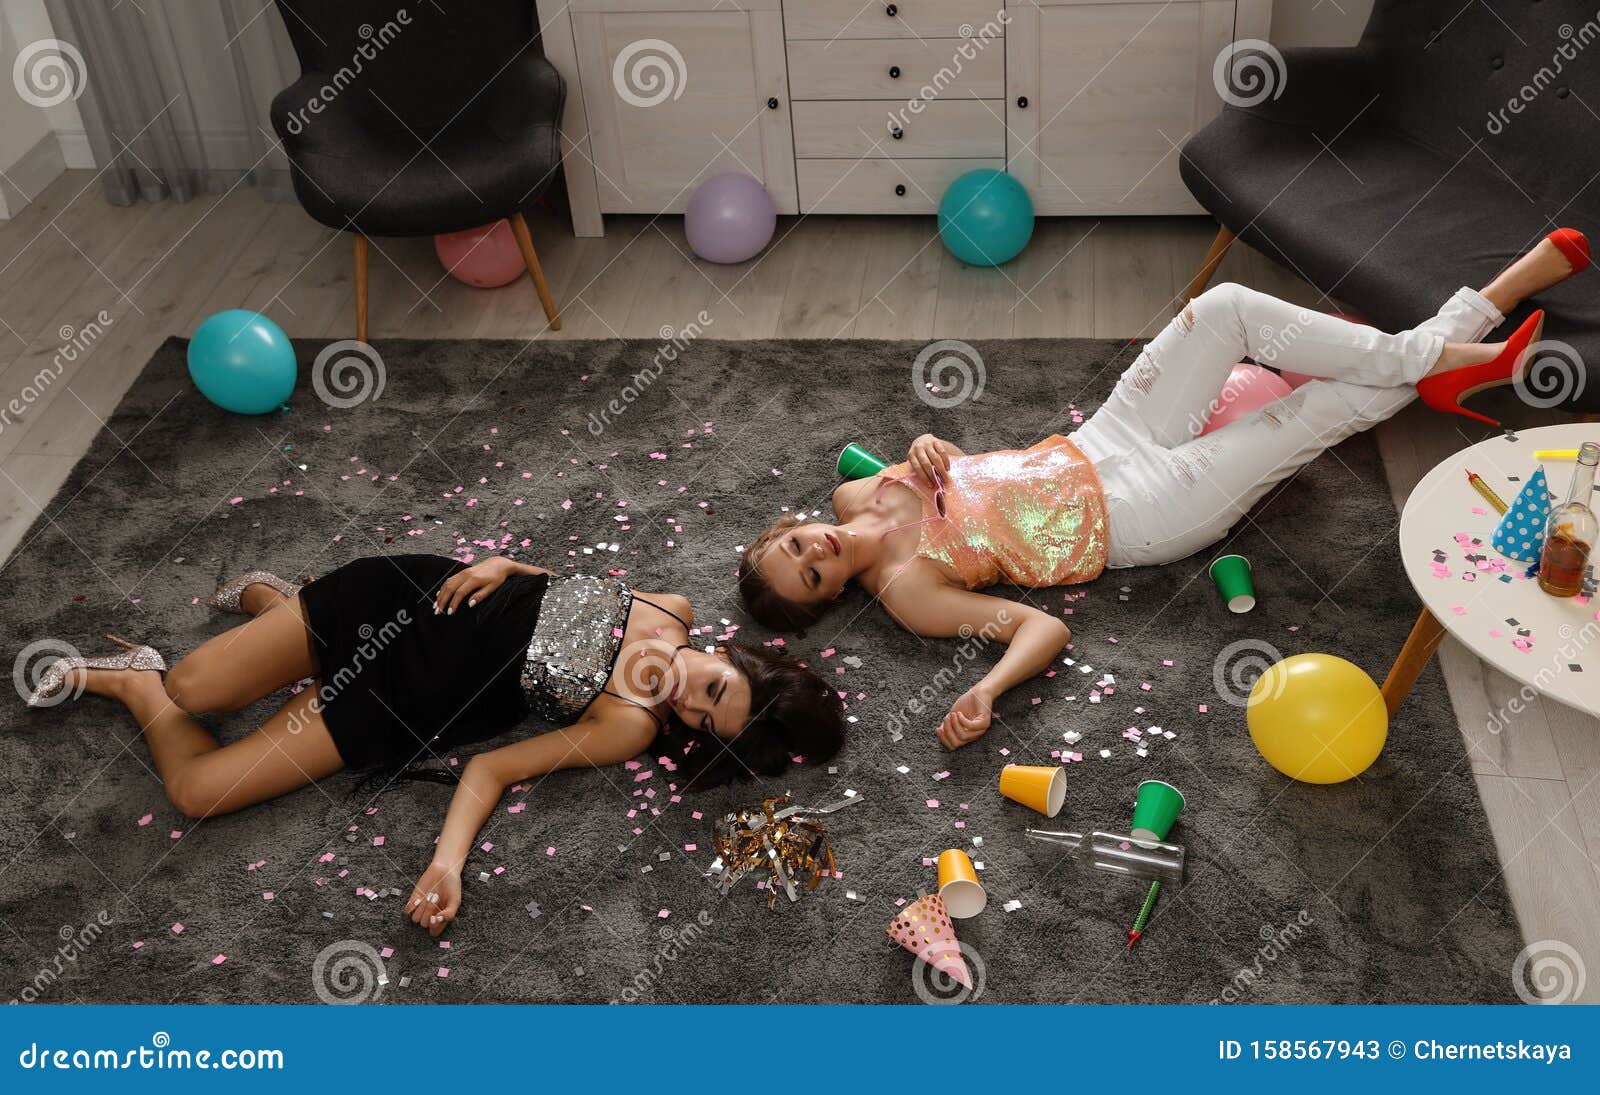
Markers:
(155, 270)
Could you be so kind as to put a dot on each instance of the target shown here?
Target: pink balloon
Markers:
(1248, 389)
(486, 257)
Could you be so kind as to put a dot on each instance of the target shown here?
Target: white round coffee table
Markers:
(1551, 644)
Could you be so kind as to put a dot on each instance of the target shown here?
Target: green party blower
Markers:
(1232, 575)
(857, 463)
(1155, 811)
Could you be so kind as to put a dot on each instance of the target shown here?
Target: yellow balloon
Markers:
(1317, 718)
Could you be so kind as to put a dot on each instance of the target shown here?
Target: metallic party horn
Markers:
(1120, 854)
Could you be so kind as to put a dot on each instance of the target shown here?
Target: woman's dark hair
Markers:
(793, 713)
(760, 599)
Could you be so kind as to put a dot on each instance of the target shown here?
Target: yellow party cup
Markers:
(963, 894)
(1039, 787)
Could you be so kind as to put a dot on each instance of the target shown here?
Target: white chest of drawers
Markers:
(841, 106)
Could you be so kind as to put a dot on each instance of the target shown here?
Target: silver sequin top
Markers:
(574, 644)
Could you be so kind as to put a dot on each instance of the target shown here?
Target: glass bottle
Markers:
(1570, 534)
(1119, 853)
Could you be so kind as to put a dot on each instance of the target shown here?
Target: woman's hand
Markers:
(473, 584)
(968, 719)
(437, 896)
(930, 457)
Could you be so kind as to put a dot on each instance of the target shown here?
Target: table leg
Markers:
(1426, 634)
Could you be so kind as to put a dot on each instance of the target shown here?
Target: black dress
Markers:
(400, 683)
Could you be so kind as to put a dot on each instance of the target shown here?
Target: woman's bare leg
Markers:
(204, 779)
(1533, 273)
(249, 662)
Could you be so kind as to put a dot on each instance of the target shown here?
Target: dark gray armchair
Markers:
(1425, 158)
(416, 119)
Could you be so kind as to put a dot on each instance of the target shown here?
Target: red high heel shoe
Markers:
(1446, 391)
(1572, 245)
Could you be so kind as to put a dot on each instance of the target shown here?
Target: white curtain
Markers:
(175, 93)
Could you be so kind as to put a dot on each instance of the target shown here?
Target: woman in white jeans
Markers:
(1137, 485)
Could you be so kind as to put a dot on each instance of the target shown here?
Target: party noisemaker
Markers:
(1041, 787)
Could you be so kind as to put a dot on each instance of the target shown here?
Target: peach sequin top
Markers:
(1032, 517)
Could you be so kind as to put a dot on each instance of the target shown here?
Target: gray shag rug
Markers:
(1382, 889)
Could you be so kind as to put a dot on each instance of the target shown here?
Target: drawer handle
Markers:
(1022, 102)
(772, 103)
(899, 190)
(894, 72)
(897, 133)
(891, 11)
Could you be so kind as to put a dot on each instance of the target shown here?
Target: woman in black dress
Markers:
(412, 656)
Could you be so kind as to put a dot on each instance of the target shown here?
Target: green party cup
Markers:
(1232, 575)
(1155, 810)
(857, 463)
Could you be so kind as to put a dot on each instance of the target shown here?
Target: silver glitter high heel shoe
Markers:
(229, 593)
(133, 656)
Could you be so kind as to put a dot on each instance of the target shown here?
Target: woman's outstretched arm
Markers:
(594, 741)
(1033, 638)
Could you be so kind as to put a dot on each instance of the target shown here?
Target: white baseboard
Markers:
(75, 149)
(36, 169)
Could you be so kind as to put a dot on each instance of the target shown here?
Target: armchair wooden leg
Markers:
(361, 287)
(1202, 277)
(1426, 634)
(525, 241)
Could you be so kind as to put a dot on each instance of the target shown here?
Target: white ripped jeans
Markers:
(1170, 492)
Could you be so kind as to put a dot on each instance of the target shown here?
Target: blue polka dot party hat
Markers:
(1520, 534)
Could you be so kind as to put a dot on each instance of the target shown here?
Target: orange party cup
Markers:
(959, 886)
(1039, 787)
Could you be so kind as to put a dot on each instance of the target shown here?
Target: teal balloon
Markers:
(242, 362)
(985, 218)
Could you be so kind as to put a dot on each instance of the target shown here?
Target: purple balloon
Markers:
(730, 218)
